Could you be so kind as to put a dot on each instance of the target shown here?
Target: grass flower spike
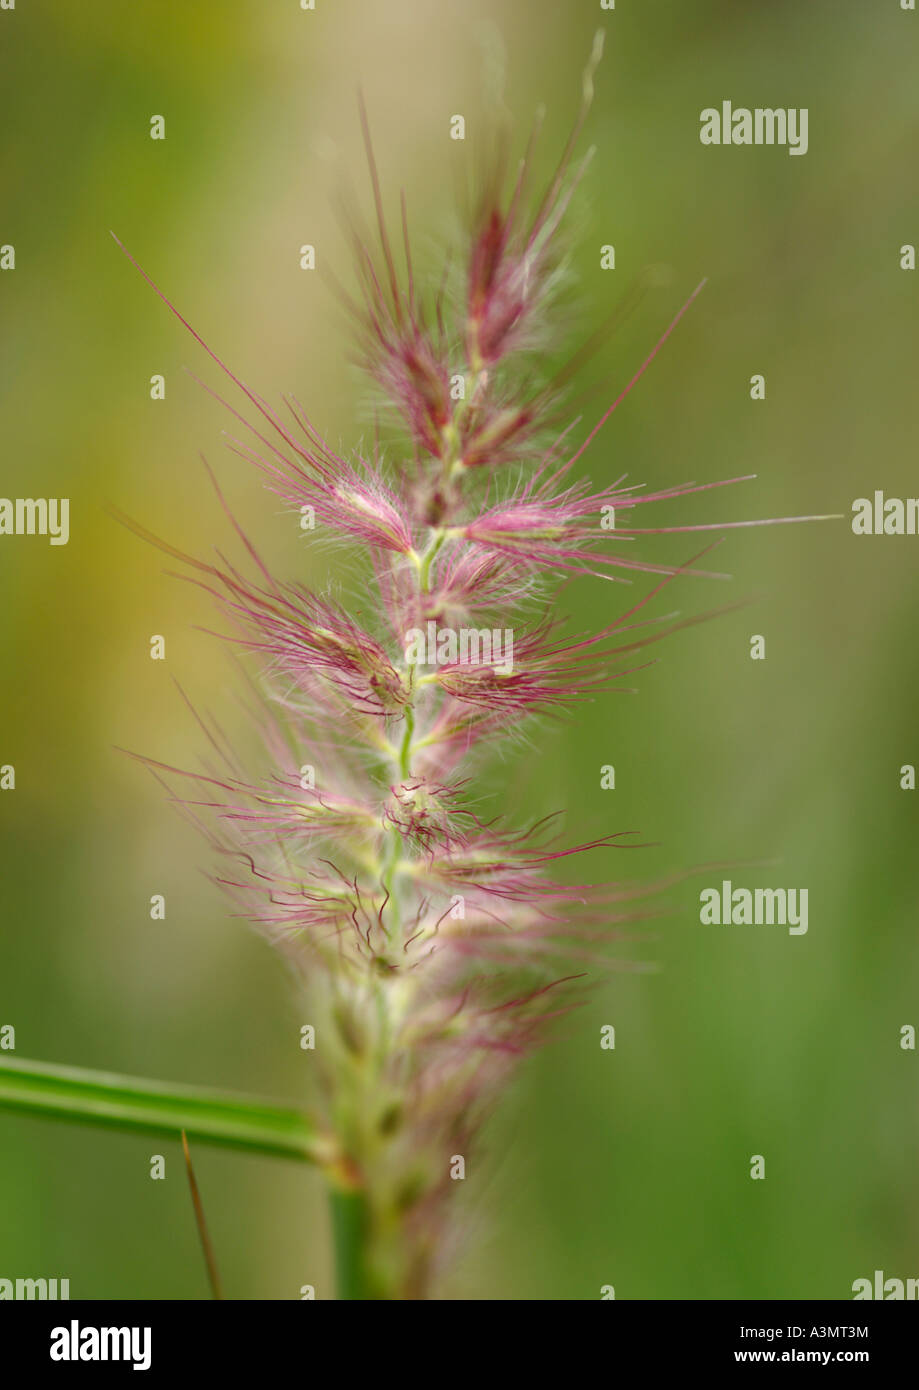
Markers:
(436, 944)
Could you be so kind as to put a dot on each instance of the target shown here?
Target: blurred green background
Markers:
(628, 1167)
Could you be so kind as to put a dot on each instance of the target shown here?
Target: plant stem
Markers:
(427, 559)
(405, 752)
(349, 1235)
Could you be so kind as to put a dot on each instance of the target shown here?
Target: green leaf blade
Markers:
(161, 1109)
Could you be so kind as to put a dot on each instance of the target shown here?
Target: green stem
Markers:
(405, 752)
(396, 846)
(349, 1235)
(427, 559)
(162, 1109)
